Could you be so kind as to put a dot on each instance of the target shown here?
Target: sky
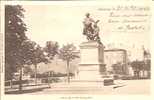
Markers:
(63, 23)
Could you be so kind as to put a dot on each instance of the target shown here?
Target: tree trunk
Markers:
(138, 74)
(11, 83)
(20, 80)
(49, 79)
(144, 73)
(35, 74)
(68, 77)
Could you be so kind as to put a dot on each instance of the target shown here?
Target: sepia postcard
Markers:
(76, 50)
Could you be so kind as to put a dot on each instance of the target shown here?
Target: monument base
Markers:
(89, 72)
(92, 61)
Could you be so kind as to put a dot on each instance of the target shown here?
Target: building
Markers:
(114, 56)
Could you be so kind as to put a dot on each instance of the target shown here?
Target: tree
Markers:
(137, 67)
(51, 49)
(15, 30)
(118, 68)
(28, 70)
(67, 53)
(36, 55)
(148, 65)
(147, 60)
(23, 56)
(32, 54)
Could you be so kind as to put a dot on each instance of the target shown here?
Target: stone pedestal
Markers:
(92, 61)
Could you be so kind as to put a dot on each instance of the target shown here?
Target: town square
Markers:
(77, 49)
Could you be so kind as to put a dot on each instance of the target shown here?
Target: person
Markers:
(96, 29)
(88, 25)
(91, 30)
(96, 32)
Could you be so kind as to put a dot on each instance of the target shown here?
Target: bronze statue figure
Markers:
(91, 30)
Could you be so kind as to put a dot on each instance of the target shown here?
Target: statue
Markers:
(91, 30)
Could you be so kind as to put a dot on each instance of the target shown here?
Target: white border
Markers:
(73, 3)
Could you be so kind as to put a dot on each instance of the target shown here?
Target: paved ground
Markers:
(25, 89)
(120, 87)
